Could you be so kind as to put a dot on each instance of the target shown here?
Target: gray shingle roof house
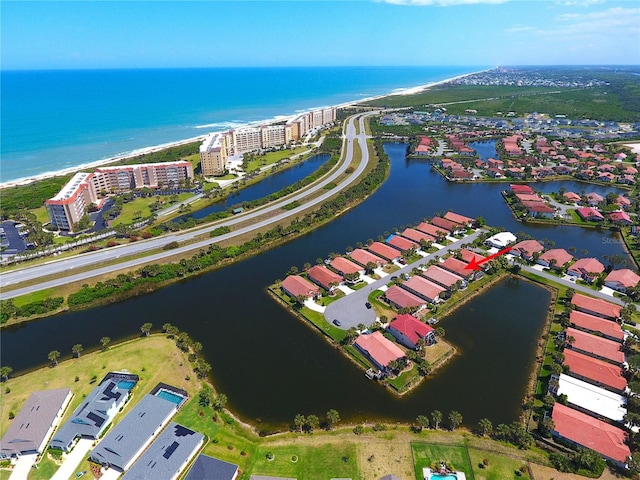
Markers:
(168, 455)
(96, 412)
(122, 445)
(33, 426)
(206, 467)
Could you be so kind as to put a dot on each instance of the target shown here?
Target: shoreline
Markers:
(155, 148)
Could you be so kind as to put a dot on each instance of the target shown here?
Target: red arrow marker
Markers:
(475, 265)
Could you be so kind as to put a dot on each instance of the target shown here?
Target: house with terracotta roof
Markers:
(556, 258)
(623, 202)
(458, 267)
(590, 214)
(380, 351)
(321, 275)
(459, 219)
(586, 268)
(363, 257)
(408, 331)
(593, 199)
(622, 280)
(596, 346)
(385, 251)
(296, 286)
(529, 197)
(597, 325)
(344, 266)
(401, 243)
(588, 432)
(541, 210)
(467, 256)
(444, 278)
(593, 370)
(596, 306)
(432, 230)
(447, 225)
(519, 188)
(401, 298)
(572, 197)
(527, 248)
(423, 288)
(606, 177)
(418, 236)
(621, 218)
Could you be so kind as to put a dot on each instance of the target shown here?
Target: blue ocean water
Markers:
(57, 119)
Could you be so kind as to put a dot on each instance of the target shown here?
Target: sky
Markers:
(159, 34)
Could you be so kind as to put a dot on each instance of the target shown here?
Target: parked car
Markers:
(368, 305)
(336, 322)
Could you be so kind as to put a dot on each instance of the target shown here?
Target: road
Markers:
(351, 309)
(82, 261)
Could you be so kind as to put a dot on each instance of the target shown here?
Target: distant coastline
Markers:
(150, 149)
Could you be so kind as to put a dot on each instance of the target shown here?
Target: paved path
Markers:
(351, 309)
(88, 259)
(70, 464)
(22, 467)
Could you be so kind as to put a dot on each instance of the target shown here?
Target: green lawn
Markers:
(498, 468)
(455, 456)
(270, 158)
(142, 205)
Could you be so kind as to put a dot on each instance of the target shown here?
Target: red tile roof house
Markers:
(597, 372)
(385, 251)
(518, 188)
(590, 214)
(295, 286)
(541, 211)
(606, 177)
(324, 277)
(622, 280)
(621, 218)
(459, 219)
(595, 346)
(432, 230)
(495, 173)
(401, 298)
(444, 278)
(586, 268)
(596, 306)
(588, 432)
(364, 257)
(623, 202)
(378, 350)
(527, 248)
(402, 243)
(555, 258)
(458, 267)
(408, 330)
(593, 199)
(493, 163)
(447, 225)
(418, 236)
(343, 266)
(423, 288)
(572, 197)
(515, 172)
(590, 323)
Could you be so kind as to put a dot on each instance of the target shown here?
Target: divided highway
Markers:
(67, 266)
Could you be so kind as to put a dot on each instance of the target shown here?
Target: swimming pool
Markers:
(170, 396)
(431, 475)
(126, 384)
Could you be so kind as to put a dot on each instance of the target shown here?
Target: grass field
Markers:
(456, 457)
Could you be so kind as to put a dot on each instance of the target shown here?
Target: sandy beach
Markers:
(155, 148)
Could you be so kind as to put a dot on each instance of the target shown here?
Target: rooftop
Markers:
(624, 276)
(598, 371)
(594, 399)
(596, 305)
(345, 265)
(385, 251)
(297, 285)
(608, 328)
(207, 468)
(413, 328)
(379, 348)
(363, 257)
(403, 298)
(598, 346)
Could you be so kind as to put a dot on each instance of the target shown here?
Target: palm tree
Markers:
(455, 419)
(436, 417)
(105, 341)
(53, 357)
(485, 426)
(146, 328)
(333, 417)
(312, 422)
(77, 349)
(422, 421)
(5, 372)
(299, 421)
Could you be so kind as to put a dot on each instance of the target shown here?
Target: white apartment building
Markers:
(247, 139)
(273, 136)
(213, 155)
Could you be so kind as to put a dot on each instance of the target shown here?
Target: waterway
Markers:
(272, 366)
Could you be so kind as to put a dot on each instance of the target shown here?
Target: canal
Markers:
(271, 366)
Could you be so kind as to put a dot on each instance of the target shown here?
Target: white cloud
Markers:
(578, 3)
(519, 28)
(441, 3)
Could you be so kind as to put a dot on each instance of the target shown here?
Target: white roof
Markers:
(502, 239)
(211, 142)
(594, 399)
(72, 186)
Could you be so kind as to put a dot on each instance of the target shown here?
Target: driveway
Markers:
(73, 459)
(351, 310)
(109, 474)
(22, 467)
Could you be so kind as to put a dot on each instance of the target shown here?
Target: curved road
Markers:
(87, 259)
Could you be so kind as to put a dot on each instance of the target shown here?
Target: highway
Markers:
(84, 260)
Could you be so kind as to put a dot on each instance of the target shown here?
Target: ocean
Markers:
(59, 119)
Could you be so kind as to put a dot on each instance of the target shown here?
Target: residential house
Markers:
(515, 172)
(207, 468)
(587, 269)
(458, 267)
(444, 278)
(364, 257)
(590, 214)
(593, 199)
(423, 288)
(402, 244)
(432, 230)
(519, 188)
(501, 240)
(401, 298)
(497, 164)
(495, 173)
(621, 218)
(344, 266)
(380, 351)
(296, 286)
(459, 219)
(592, 400)
(418, 236)
(623, 202)
(322, 276)
(572, 197)
(408, 331)
(527, 248)
(598, 347)
(622, 280)
(598, 325)
(595, 371)
(556, 258)
(606, 177)
(447, 225)
(385, 251)
(588, 432)
(596, 306)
